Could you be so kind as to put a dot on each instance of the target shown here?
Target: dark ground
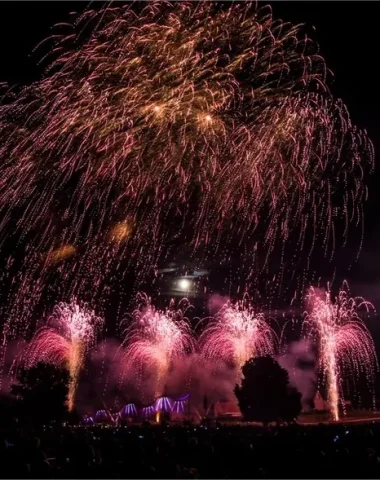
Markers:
(193, 452)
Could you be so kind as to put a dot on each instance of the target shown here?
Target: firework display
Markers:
(182, 133)
(157, 343)
(171, 124)
(155, 339)
(345, 344)
(69, 332)
(237, 334)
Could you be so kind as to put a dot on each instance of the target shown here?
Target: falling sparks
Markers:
(345, 344)
(208, 125)
(69, 332)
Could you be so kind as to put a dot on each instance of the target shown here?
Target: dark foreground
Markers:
(324, 451)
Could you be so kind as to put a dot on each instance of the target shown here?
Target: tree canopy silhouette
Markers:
(41, 392)
(265, 394)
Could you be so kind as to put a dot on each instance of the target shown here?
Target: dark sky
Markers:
(349, 38)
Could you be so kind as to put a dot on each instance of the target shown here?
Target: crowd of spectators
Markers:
(188, 451)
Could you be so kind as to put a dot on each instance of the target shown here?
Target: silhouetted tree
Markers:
(8, 410)
(292, 406)
(265, 395)
(41, 392)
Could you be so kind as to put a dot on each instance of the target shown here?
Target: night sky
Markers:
(349, 39)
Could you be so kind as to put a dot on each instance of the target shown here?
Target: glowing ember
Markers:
(121, 231)
(60, 254)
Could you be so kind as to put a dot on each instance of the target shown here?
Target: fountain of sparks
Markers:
(344, 342)
(237, 333)
(64, 341)
(156, 338)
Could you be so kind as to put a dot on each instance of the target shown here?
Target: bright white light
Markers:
(184, 284)
(208, 118)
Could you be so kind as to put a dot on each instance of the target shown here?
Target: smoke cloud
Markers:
(107, 383)
(300, 362)
(216, 302)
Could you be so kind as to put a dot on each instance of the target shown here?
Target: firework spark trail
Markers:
(219, 118)
(70, 331)
(236, 334)
(155, 339)
(345, 344)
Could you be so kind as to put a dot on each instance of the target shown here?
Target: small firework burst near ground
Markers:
(155, 338)
(237, 333)
(70, 331)
(345, 344)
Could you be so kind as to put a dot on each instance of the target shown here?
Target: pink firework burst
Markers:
(237, 333)
(156, 338)
(70, 331)
(159, 129)
(344, 342)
